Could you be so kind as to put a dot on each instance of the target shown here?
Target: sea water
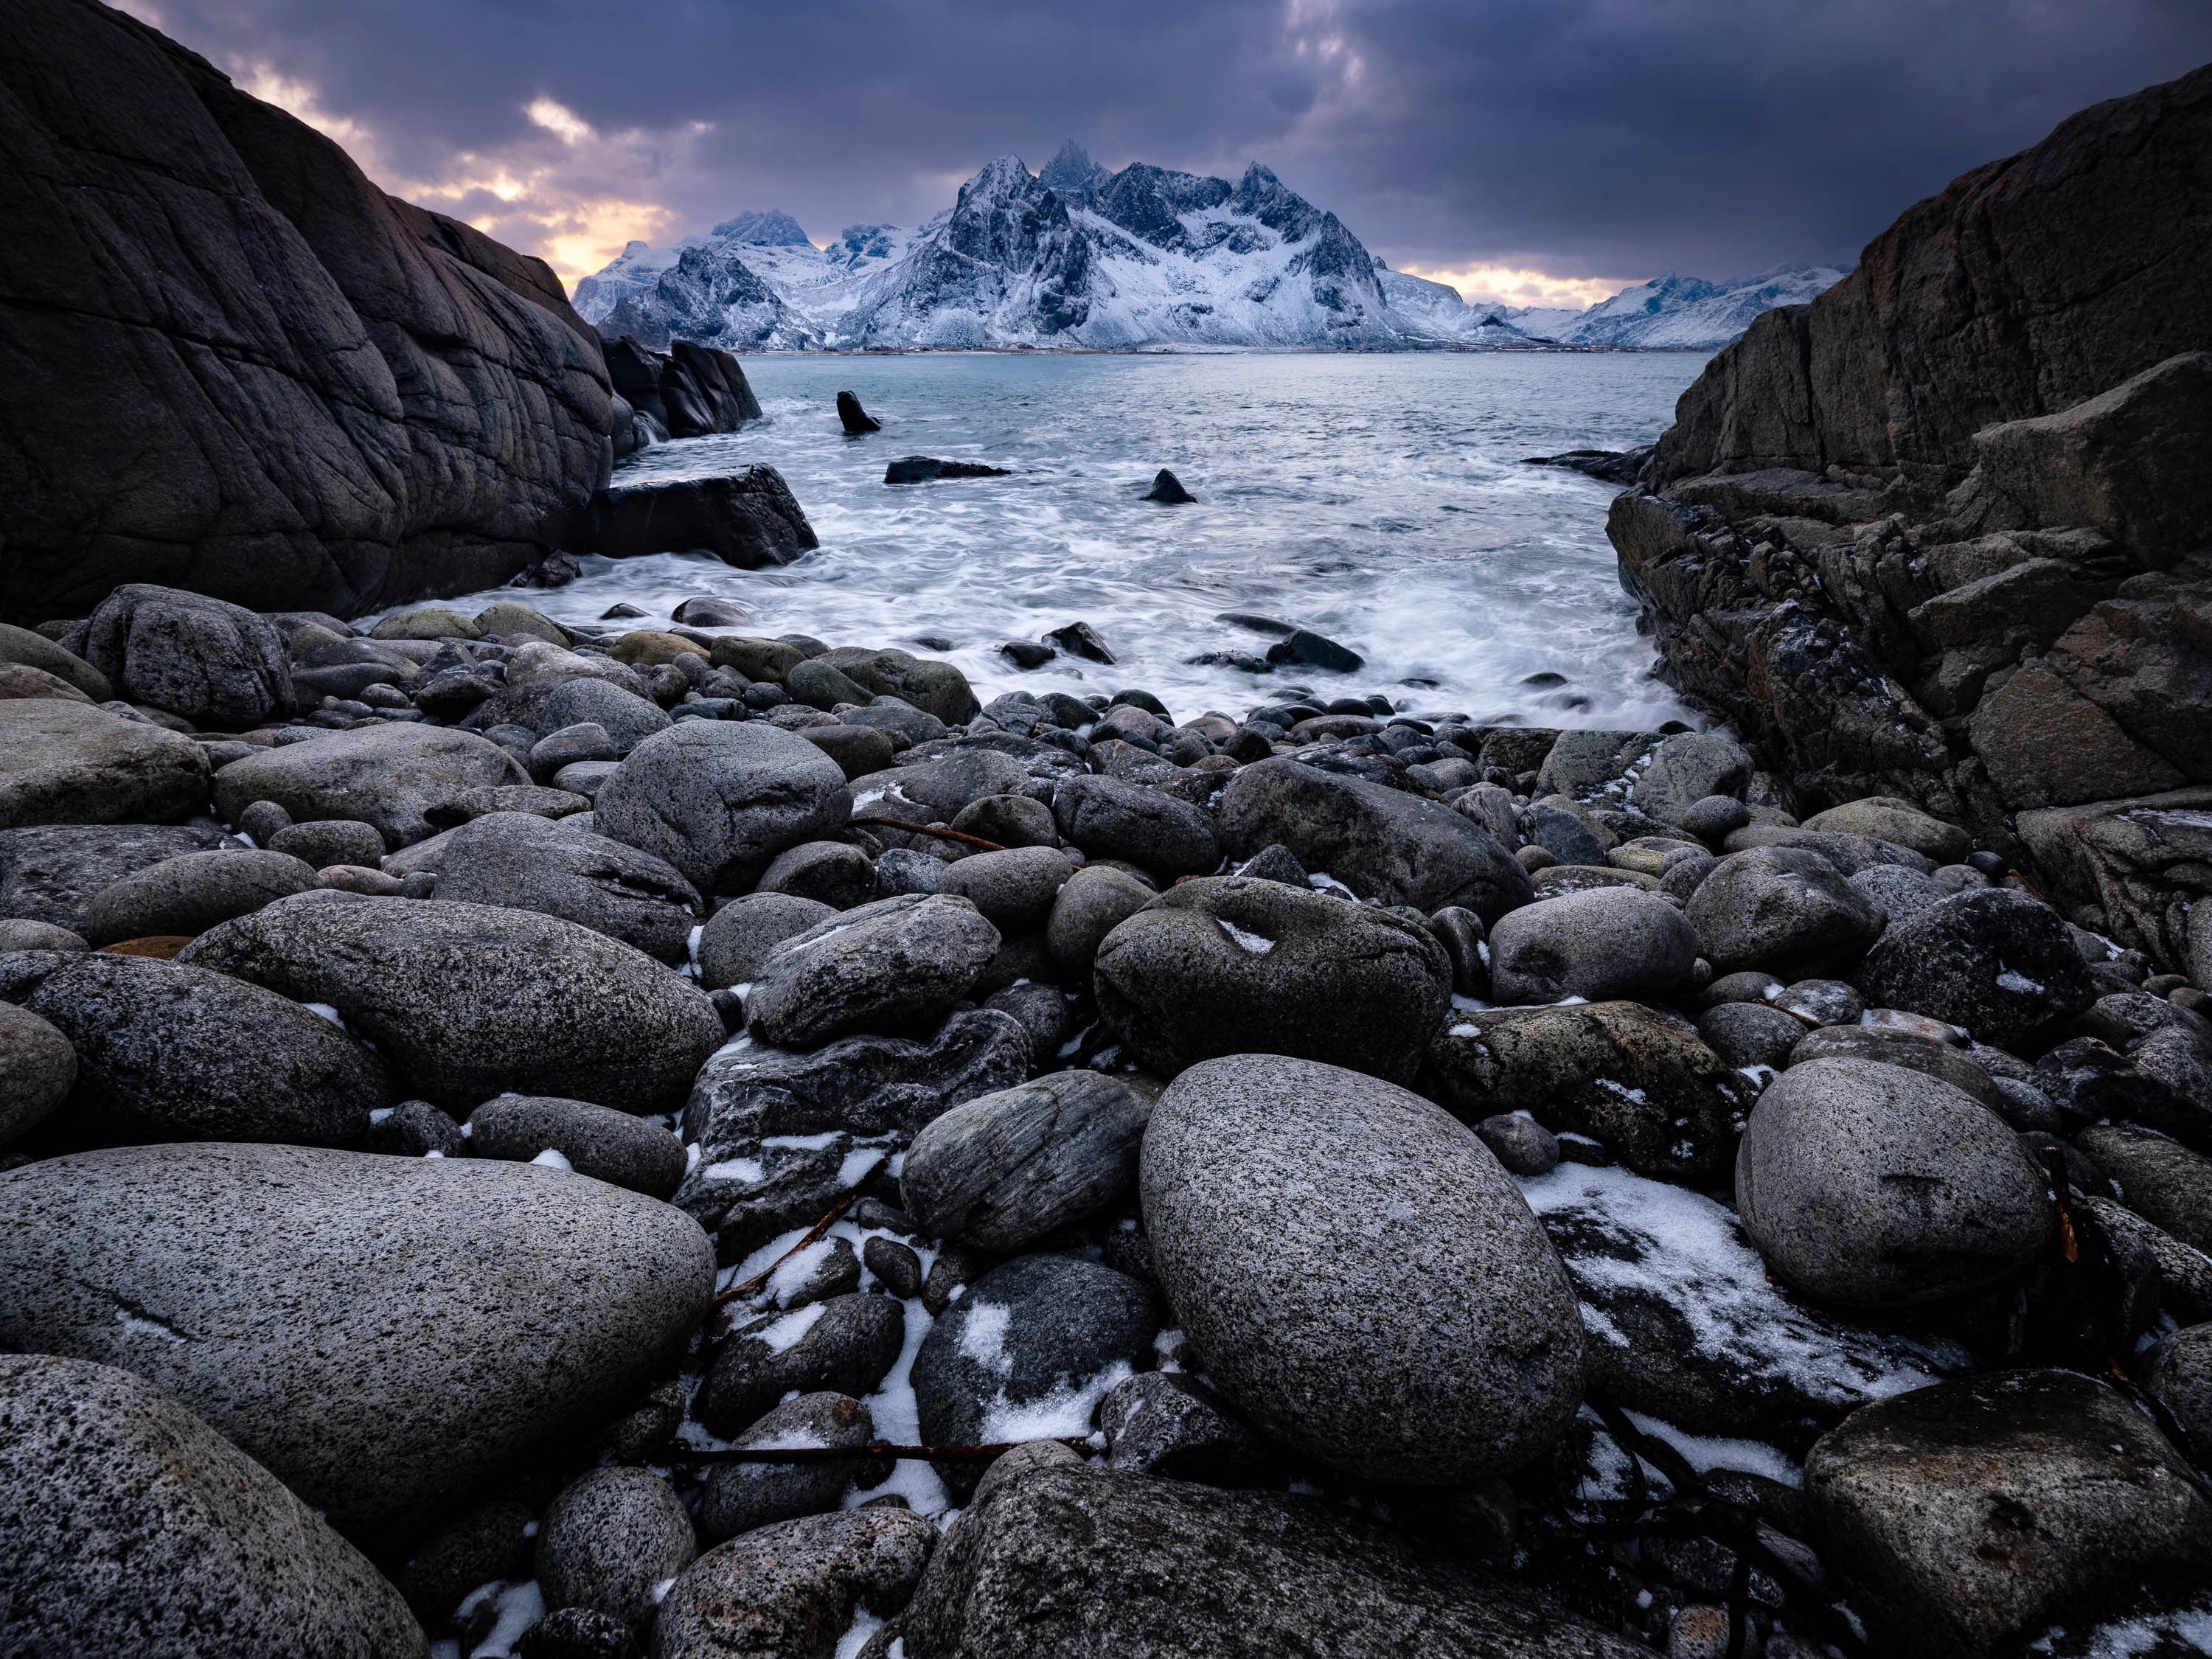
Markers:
(1382, 501)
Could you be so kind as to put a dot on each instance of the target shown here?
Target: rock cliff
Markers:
(1946, 532)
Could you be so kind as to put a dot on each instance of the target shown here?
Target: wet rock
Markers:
(1966, 1518)
(896, 1266)
(1005, 1169)
(844, 1344)
(831, 872)
(1600, 944)
(68, 762)
(609, 1539)
(1640, 1083)
(304, 1302)
(749, 519)
(921, 468)
(856, 421)
(37, 1068)
(1898, 892)
(1167, 487)
(389, 775)
(1258, 1169)
(1870, 1186)
(1303, 647)
(1781, 909)
(720, 801)
(464, 1001)
(1997, 962)
(213, 663)
(596, 1141)
(1109, 818)
(577, 1633)
(1561, 834)
(1063, 1559)
(737, 938)
(169, 1052)
(1226, 965)
(894, 966)
(127, 1516)
(520, 861)
(1382, 843)
(2159, 1179)
(1080, 639)
(819, 685)
(741, 1496)
(789, 1589)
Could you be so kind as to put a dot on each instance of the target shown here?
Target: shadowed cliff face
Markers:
(1947, 531)
(236, 366)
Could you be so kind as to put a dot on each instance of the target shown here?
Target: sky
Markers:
(1532, 151)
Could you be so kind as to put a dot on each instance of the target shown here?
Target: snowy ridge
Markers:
(1078, 257)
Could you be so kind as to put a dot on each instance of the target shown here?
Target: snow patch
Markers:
(1244, 941)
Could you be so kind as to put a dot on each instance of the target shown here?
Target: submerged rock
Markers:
(856, 421)
(1167, 487)
(921, 468)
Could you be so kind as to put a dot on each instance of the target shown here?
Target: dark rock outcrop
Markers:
(686, 391)
(1940, 534)
(856, 421)
(749, 520)
(242, 369)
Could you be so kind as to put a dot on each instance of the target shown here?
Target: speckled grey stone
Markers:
(381, 1332)
(389, 775)
(1014, 889)
(847, 1349)
(1516, 1140)
(1600, 944)
(597, 1141)
(831, 872)
(192, 893)
(738, 936)
(1093, 904)
(1005, 1169)
(326, 841)
(788, 1591)
(2159, 1179)
(2179, 1378)
(1896, 1048)
(1781, 908)
(37, 1068)
(524, 862)
(1870, 1186)
(1169, 1422)
(719, 799)
(607, 1538)
(1421, 1330)
(740, 1497)
(1751, 1033)
(49, 872)
(1689, 767)
(895, 966)
(1997, 962)
(128, 1526)
(466, 1001)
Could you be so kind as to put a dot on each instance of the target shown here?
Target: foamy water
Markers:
(1378, 500)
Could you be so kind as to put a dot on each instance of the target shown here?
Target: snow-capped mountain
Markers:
(1077, 256)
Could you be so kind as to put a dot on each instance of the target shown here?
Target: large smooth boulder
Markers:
(524, 862)
(1784, 909)
(1231, 965)
(892, 967)
(390, 775)
(1966, 1518)
(1063, 1560)
(1689, 767)
(168, 1052)
(1092, 905)
(938, 689)
(1633, 1078)
(38, 1069)
(69, 763)
(211, 662)
(1871, 1186)
(719, 800)
(789, 1590)
(1007, 1168)
(584, 699)
(466, 1001)
(1382, 843)
(27, 649)
(1599, 944)
(308, 1304)
(1996, 962)
(192, 893)
(49, 872)
(1420, 1331)
(1112, 818)
(129, 1528)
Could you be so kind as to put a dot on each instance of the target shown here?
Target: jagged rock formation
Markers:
(1946, 532)
(237, 365)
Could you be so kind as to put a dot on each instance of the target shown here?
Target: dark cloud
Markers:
(1592, 137)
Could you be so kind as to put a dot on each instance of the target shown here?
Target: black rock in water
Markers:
(1611, 465)
(919, 468)
(1027, 653)
(1166, 487)
(1080, 639)
(856, 422)
(1312, 650)
(749, 521)
(1258, 624)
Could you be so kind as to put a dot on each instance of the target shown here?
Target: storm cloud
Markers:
(1588, 141)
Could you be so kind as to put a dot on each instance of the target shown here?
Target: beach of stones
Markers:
(518, 1138)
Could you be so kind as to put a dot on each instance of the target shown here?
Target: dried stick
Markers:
(841, 1453)
(814, 1235)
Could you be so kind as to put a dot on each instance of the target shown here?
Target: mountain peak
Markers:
(773, 229)
(1071, 172)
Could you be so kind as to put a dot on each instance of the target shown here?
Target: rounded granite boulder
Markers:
(719, 800)
(1598, 944)
(192, 893)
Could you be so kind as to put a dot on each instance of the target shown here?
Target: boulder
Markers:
(741, 1496)
(788, 1589)
(1094, 902)
(1848, 853)
(1966, 1518)
(305, 1302)
(938, 689)
(610, 1539)
(719, 800)
(37, 1068)
(168, 1052)
(1691, 767)
(749, 519)
(1167, 487)
(592, 1140)
(1005, 1169)
(1782, 909)
(70, 762)
(856, 421)
(26, 649)
(519, 862)
(1870, 1186)
(390, 775)
(1599, 944)
(465, 1001)
(1064, 1559)
(1170, 1423)
(1384, 844)
(1014, 889)
(130, 1527)
(49, 872)
(627, 717)
(1227, 965)
(1900, 823)
(193, 892)
(892, 967)
(1752, 1034)
(1111, 818)
(2179, 1378)
(1897, 1048)
(1632, 1078)
(845, 1344)
(1422, 1331)
(2159, 1179)
(210, 662)
(325, 841)
(737, 938)
(832, 872)
(1995, 961)
(858, 749)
